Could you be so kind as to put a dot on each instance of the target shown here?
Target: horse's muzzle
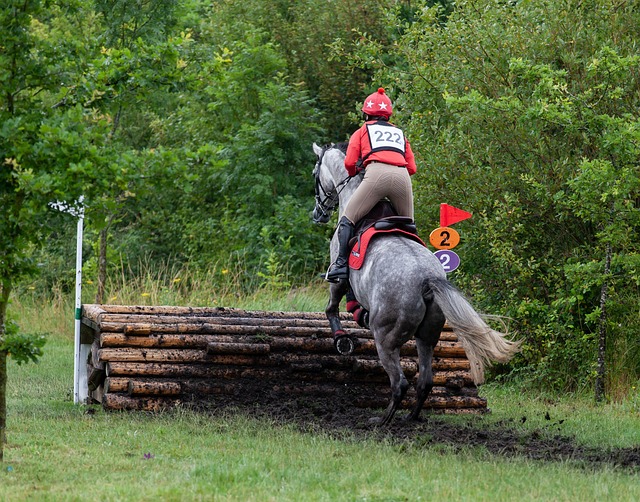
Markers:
(320, 216)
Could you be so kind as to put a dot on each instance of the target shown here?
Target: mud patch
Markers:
(342, 420)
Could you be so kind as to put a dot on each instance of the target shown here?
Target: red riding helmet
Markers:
(378, 104)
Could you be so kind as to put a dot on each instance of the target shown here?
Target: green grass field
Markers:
(59, 451)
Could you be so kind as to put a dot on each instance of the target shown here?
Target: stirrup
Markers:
(336, 273)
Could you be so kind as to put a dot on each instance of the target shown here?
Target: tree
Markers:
(136, 62)
(231, 156)
(52, 148)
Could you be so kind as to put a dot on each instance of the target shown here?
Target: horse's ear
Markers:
(317, 149)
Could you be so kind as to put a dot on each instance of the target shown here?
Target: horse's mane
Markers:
(342, 146)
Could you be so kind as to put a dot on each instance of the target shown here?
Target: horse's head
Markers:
(331, 179)
(326, 194)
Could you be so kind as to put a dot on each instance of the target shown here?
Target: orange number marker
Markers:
(444, 238)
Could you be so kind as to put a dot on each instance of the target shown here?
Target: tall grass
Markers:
(623, 344)
(225, 285)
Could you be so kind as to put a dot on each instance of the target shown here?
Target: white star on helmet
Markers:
(370, 104)
(383, 106)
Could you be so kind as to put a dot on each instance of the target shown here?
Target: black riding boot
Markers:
(340, 268)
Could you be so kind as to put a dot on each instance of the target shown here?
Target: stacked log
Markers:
(151, 357)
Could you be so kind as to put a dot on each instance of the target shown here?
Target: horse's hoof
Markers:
(375, 421)
(412, 418)
(380, 421)
(344, 344)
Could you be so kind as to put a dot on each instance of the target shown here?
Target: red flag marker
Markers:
(450, 215)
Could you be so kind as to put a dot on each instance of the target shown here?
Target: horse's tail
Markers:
(482, 344)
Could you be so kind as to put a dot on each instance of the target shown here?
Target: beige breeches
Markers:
(380, 181)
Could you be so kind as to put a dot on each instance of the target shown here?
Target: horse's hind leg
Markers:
(390, 359)
(427, 337)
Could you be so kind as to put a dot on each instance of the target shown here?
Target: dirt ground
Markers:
(342, 420)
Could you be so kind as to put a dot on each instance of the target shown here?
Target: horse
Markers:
(404, 287)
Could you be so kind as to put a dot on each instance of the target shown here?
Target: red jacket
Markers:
(379, 141)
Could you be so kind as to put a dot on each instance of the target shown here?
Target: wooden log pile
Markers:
(150, 358)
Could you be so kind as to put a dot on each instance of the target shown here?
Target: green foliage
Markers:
(52, 148)
(49, 152)
(199, 121)
(527, 115)
(273, 278)
(127, 21)
(22, 347)
(233, 158)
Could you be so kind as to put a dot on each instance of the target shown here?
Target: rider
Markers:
(381, 150)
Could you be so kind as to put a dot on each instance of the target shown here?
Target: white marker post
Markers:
(80, 384)
(79, 390)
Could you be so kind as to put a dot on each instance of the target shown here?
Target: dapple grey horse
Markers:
(405, 289)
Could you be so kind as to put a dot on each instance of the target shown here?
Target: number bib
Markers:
(383, 136)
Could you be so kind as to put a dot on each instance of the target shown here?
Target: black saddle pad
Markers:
(383, 209)
(384, 217)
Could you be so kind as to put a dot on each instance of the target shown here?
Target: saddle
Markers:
(380, 220)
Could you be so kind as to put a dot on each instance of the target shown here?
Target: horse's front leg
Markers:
(336, 293)
(343, 343)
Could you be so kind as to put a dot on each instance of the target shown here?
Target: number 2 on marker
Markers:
(449, 259)
(444, 238)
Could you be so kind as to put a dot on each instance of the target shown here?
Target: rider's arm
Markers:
(354, 152)
(411, 161)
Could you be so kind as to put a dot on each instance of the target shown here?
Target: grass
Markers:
(58, 451)
(612, 424)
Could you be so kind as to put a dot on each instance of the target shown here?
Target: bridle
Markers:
(326, 201)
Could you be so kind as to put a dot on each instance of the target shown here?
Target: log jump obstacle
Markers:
(153, 357)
